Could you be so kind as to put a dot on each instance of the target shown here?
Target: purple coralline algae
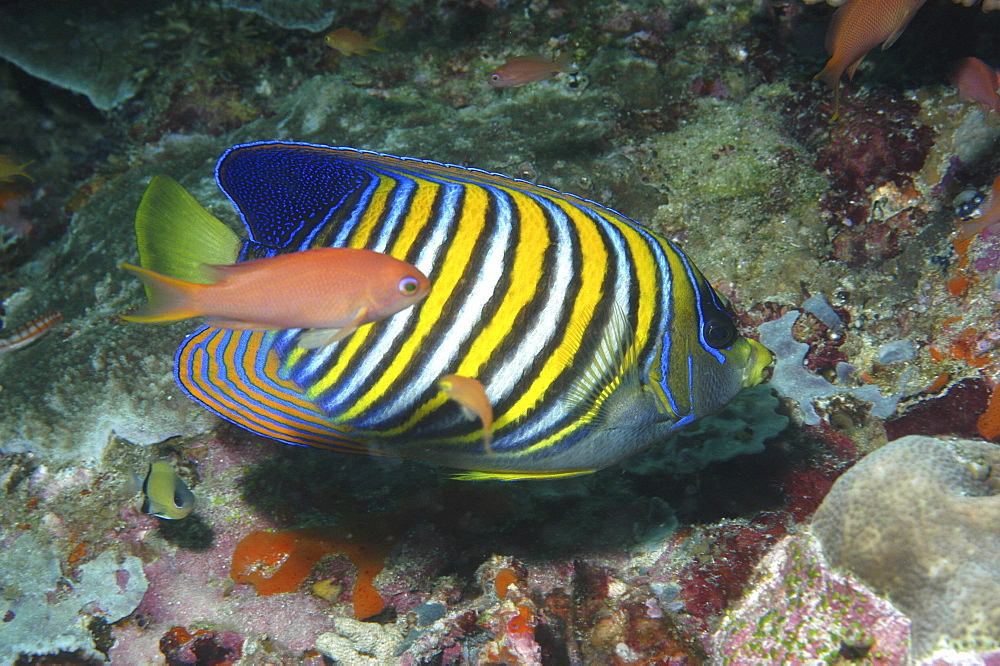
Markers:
(797, 610)
(792, 380)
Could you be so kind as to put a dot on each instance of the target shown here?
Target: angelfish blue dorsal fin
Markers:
(284, 190)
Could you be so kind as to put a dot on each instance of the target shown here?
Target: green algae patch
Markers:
(731, 150)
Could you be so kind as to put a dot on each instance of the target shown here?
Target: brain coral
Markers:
(919, 521)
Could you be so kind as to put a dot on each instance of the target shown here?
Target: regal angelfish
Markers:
(590, 336)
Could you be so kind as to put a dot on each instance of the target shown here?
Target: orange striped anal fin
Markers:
(226, 372)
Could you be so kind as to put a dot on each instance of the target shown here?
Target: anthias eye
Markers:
(408, 285)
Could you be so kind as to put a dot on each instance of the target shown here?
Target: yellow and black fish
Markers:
(592, 337)
(166, 495)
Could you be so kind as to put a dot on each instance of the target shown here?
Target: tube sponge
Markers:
(917, 521)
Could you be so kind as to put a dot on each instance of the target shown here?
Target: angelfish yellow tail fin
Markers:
(177, 237)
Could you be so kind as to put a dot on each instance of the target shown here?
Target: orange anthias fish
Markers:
(856, 28)
(329, 290)
(471, 395)
(977, 82)
(990, 215)
(8, 169)
(350, 42)
(528, 69)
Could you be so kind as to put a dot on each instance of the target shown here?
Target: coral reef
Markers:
(45, 611)
(696, 117)
(106, 65)
(914, 521)
(312, 16)
(362, 643)
(180, 646)
(792, 380)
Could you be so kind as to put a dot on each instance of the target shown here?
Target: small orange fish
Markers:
(989, 216)
(34, 329)
(470, 394)
(329, 290)
(528, 69)
(8, 170)
(977, 82)
(350, 42)
(856, 28)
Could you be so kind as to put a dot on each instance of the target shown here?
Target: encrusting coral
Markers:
(917, 521)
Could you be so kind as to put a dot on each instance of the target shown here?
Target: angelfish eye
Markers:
(719, 332)
(408, 285)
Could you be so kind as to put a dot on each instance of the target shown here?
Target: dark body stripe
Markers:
(525, 282)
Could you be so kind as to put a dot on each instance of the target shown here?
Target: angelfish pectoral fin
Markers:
(610, 366)
(315, 338)
(470, 394)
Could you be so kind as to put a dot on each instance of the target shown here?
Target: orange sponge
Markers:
(275, 562)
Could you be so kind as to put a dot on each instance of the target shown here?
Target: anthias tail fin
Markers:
(169, 299)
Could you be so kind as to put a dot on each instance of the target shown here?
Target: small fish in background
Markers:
(9, 170)
(977, 82)
(390, 21)
(528, 69)
(330, 290)
(471, 396)
(34, 329)
(351, 42)
(166, 495)
(989, 214)
(855, 29)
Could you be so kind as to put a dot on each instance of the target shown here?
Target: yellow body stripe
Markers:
(592, 271)
(444, 279)
(648, 282)
(518, 476)
(683, 339)
(418, 216)
(372, 215)
(528, 262)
